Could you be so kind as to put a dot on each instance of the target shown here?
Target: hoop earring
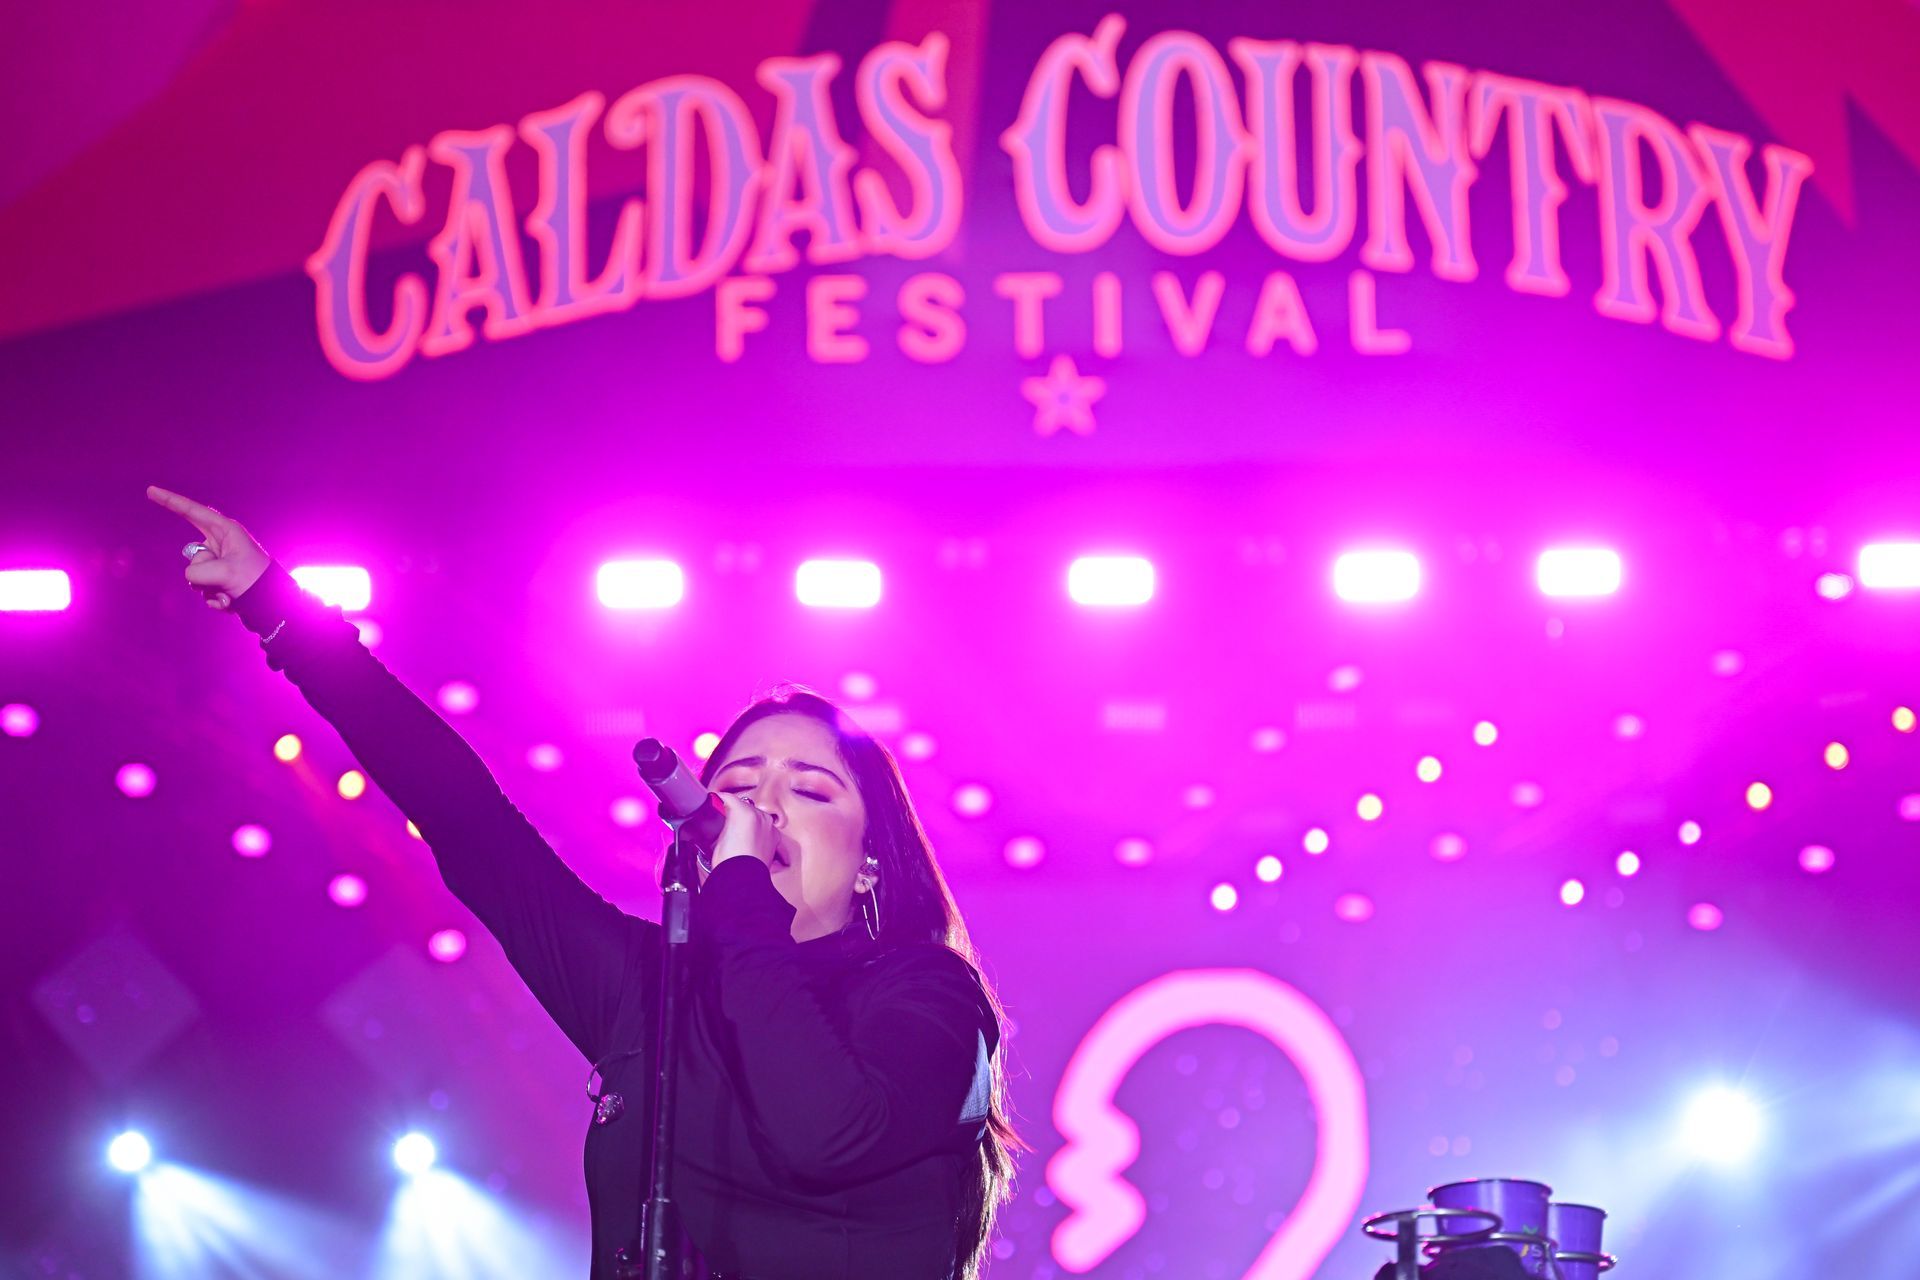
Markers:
(870, 900)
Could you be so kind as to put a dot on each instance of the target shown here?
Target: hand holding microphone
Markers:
(718, 826)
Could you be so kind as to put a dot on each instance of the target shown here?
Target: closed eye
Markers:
(811, 795)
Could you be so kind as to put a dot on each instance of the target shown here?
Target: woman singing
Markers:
(841, 1108)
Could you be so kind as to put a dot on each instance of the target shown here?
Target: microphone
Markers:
(695, 813)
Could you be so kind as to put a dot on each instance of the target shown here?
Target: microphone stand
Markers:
(684, 800)
(659, 1220)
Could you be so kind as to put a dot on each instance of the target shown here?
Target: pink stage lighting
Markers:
(347, 585)
(35, 590)
(1578, 571)
(1110, 581)
(838, 584)
(640, 584)
(1376, 577)
(1890, 566)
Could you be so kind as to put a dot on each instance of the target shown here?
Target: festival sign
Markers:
(728, 214)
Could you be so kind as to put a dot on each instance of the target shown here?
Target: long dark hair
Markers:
(917, 907)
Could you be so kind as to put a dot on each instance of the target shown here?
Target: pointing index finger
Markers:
(204, 518)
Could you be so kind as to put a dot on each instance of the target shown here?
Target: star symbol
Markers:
(1063, 398)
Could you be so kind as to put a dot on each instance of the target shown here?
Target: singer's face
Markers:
(790, 766)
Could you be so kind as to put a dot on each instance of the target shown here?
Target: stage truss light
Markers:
(1890, 566)
(837, 584)
(640, 584)
(414, 1154)
(1110, 581)
(1376, 577)
(347, 585)
(130, 1152)
(1564, 572)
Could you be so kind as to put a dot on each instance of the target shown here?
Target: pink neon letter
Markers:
(339, 271)
(1101, 1141)
(923, 147)
(480, 229)
(1631, 229)
(931, 330)
(1758, 237)
(1281, 313)
(1106, 314)
(1426, 154)
(1532, 111)
(559, 221)
(1029, 291)
(1037, 141)
(1287, 228)
(663, 114)
(806, 145)
(830, 312)
(1189, 324)
(735, 314)
(1146, 139)
(1369, 339)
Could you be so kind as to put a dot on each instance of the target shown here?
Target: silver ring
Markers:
(193, 549)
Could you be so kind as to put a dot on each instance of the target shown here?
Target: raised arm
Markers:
(577, 953)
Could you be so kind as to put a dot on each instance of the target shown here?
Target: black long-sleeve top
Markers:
(832, 1093)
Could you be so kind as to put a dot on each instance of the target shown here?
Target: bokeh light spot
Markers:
(1759, 796)
(1354, 908)
(1268, 869)
(352, 785)
(1705, 917)
(447, 945)
(347, 890)
(252, 840)
(1369, 807)
(457, 697)
(1816, 859)
(1224, 897)
(18, 720)
(135, 780)
(1428, 770)
(1835, 755)
(1485, 733)
(971, 800)
(286, 748)
(1315, 841)
(1024, 851)
(1572, 893)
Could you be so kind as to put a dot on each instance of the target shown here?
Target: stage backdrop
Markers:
(1298, 906)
